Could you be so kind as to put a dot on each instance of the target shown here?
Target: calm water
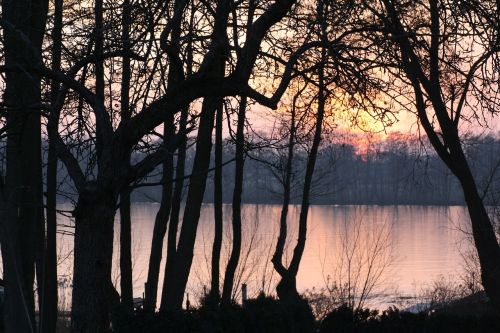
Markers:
(414, 246)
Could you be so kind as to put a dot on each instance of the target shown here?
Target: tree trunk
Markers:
(126, 287)
(218, 217)
(174, 74)
(287, 287)
(287, 281)
(180, 165)
(177, 197)
(48, 310)
(227, 292)
(93, 250)
(277, 259)
(484, 235)
(179, 262)
(126, 252)
(161, 220)
(487, 246)
(177, 269)
(22, 196)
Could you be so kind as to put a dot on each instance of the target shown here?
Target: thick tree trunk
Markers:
(483, 233)
(218, 217)
(22, 196)
(227, 292)
(177, 269)
(161, 220)
(486, 244)
(93, 249)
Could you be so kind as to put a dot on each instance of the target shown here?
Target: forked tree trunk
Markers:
(162, 217)
(179, 262)
(287, 287)
(181, 159)
(227, 291)
(177, 269)
(177, 197)
(277, 259)
(93, 250)
(287, 281)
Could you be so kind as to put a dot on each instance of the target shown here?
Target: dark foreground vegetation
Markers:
(269, 315)
(393, 320)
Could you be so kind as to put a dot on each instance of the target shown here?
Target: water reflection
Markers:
(422, 244)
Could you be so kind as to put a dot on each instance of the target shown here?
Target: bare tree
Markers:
(364, 256)
(96, 141)
(177, 273)
(227, 292)
(324, 62)
(449, 83)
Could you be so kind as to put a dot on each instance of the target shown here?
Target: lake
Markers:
(406, 248)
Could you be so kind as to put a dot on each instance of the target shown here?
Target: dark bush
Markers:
(268, 315)
(345, 320)
(261, 315)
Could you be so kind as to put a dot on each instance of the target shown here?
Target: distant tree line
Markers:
(390, 172)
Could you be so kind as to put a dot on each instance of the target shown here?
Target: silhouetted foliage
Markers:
(344, 320)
